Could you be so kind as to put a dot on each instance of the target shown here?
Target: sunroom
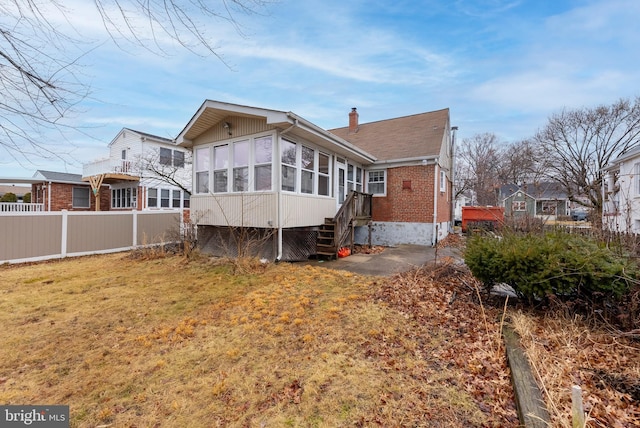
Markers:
(271, 176)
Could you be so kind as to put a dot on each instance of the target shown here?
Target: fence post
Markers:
(135, 228)
(63, 236)
(577, 409)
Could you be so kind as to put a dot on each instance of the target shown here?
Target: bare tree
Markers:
(479, 163)
(582, 142)
(173, 170)
(41, 83)
(522, 162)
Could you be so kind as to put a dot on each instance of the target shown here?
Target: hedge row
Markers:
(556, 263)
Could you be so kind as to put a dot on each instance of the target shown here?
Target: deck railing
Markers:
(356, 208)
(19, 207)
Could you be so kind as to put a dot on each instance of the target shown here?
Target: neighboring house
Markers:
(58, 191)
(464, 199)
(621, 193)
(546, 200)
(279, 174)
(143, 171)
(19, 191)
(52, 191)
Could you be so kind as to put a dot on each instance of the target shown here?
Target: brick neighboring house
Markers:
(275, 171)
(58, 191)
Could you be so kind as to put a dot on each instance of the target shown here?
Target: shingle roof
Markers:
(59, 176)
(542, 190)
(146, 134)
(401, 138)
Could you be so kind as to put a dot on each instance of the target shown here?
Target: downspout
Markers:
(454, 131)
(279, 191)
(436, 177)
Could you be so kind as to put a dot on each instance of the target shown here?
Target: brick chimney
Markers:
(353, 120)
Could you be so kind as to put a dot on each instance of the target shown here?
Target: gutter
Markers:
(328, 135)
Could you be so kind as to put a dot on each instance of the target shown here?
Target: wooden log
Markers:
(531, 408)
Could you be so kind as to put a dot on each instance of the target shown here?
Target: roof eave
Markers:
(348, 148)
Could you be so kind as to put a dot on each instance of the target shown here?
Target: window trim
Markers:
(515, 204)
(74, 198)
(205, 169)
(165, 159)
(383, 181)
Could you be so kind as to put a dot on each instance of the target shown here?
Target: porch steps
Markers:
(325, 246)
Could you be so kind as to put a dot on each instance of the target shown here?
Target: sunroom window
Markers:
(263, 156)
(324, 166)
(288, 157)
(202, 170)
(241, 166)
(306, 182)
(220, 168)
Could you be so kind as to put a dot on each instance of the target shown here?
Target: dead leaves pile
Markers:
(566, 352)
(455, 335)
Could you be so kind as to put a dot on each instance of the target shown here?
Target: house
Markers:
(52, 191)
(19, 191)
(143, 172)
(545, 200)
(58, 191)
(621, 193)
(302, 188)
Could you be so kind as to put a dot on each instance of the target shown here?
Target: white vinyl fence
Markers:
(35, 236)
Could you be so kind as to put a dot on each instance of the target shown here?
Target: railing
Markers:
(106, 166)
(357, 206)
(18, 207)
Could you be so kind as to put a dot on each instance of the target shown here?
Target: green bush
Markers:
(9, 197)
(27, 198)
(556, 263)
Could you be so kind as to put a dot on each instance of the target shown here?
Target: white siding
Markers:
(260, 210)
(236, 209)
(306, 210)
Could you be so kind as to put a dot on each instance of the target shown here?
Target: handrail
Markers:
(357, 204)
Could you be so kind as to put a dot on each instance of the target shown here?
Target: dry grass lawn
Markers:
(165, 342)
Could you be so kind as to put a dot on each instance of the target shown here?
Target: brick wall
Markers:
(409, 196)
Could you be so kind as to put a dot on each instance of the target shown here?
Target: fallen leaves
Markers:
(452, 332)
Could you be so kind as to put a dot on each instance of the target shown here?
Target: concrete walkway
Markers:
(390, 261)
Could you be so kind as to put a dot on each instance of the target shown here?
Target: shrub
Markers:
(557, 263)
(9, 197)
(27, 198)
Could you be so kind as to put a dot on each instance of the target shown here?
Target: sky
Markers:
(500, 66)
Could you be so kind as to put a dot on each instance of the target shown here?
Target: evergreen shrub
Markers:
(556, 263)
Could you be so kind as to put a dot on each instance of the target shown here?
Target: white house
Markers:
(307, 190)
(621, 193)
(143, 172)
